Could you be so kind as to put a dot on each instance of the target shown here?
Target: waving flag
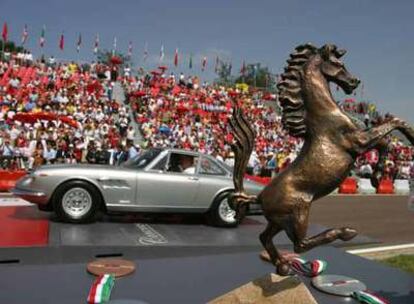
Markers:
(190, 63)
(130, 49)
(96, 45)
(25, 34)
(145, 51)
(62, 42)
(216, 65)
(114, 47)
(79, 43)
(5, 32)
(176, 58)
(42, 39)
(243, 69)
(204, 63)
(162, 53)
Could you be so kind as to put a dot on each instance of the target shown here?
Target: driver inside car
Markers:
(187, 164)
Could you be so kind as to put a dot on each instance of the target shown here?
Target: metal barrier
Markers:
(13, 163)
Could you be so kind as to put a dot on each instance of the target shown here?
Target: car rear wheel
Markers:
(220, 213)
(77, 202)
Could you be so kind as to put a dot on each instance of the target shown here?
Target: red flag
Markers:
(176, 58)
(243, 68)
(204, 63)
(62, 42)
(5, 32)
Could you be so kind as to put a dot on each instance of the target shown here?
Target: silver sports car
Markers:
(161, 181)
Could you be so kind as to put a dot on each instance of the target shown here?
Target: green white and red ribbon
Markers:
(101, 289)
(316, 267)
(368, 297)
(308, 268)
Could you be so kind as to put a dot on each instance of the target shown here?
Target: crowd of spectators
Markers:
(180, 112)
(171, 110)
(92, 126)
(399, 159)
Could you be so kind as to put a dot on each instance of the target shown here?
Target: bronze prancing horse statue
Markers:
(332, 142)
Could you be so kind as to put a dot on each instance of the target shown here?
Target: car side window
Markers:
(161, 165)
(182, 163)
(208, 167)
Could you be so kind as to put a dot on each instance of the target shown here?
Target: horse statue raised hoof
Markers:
(332, 142)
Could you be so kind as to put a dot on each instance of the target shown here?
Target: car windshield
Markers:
(142, 160)
(228, 168)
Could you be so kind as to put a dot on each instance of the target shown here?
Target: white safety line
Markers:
(13, 201)
(382, 248)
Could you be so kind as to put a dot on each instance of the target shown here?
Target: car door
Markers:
(213, 178)
(162, 190)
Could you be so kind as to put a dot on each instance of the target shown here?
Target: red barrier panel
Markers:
(349, 186)
(8, 179)
(258, 179)
(386, 186)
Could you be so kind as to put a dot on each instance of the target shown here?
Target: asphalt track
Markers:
(385, 218)
(43, 270)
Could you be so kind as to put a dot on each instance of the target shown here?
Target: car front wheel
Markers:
(77, 202)
(221, 214)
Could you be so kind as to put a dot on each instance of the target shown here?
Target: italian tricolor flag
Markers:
(367, 297)
(42, 37)
(101, 289)
(308, 268)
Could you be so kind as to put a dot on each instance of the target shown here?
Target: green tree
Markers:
(106, 55)
(257, 75)
(224, 73)
(10, 46)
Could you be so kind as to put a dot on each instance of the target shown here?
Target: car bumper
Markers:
(32, 196)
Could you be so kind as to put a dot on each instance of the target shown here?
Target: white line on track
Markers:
(7, 201)
(382, 248)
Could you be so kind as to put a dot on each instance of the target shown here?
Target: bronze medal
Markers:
(116, 267)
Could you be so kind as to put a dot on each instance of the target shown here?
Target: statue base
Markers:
(270, 288)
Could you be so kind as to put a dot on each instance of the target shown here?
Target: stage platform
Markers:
(180, 259)
(27, 235)
(195, 277)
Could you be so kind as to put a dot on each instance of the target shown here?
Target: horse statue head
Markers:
(304, 85)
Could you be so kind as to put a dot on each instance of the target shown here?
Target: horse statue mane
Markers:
(290, 93)
(332, 142)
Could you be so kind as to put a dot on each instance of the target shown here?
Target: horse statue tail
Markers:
(242, 146)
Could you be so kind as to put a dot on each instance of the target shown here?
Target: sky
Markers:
(378, 35)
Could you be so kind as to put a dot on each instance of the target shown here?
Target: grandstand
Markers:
(71, 113)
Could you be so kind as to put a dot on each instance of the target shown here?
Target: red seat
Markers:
(348, 186)
(385, 186)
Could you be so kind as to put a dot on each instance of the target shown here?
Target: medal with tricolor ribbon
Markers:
(100, 291)
(106, 271)
(347, 287)
(308, 268)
